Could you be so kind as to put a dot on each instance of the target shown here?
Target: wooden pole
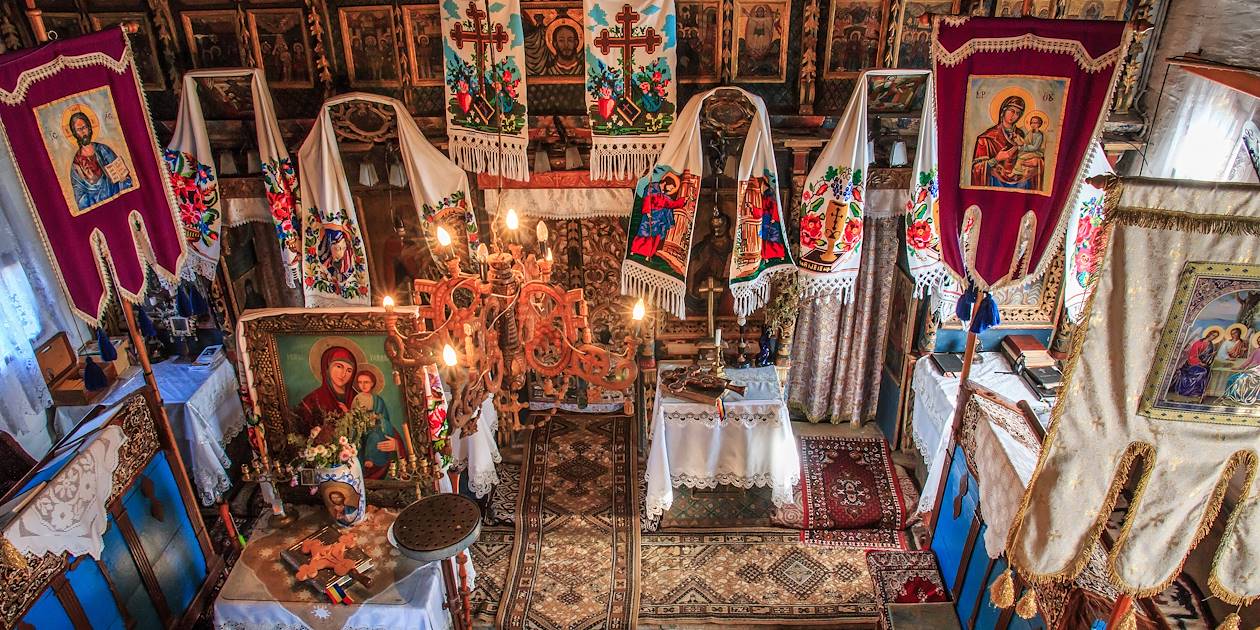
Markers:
(970, 351)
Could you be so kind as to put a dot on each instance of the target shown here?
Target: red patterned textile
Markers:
(849, 483)
(906, 577)
(1019, 103)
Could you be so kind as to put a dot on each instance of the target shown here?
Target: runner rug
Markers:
(718, 576)
(575, 561)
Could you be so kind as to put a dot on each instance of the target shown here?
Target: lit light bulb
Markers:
(640, 310)
(388, 302)
(448, 356)
(542, 231)
(549, 258)
(512, 221)
(483, 253)
(443, 237)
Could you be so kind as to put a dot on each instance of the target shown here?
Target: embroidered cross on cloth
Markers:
(81, 138)
(631, 91)
(486, 108)
(195, 182)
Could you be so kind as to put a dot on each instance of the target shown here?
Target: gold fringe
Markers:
(1231, 622)
(1129, 620)
(1027, 606)
(1002, 591)
(11, 557)
(1173, 220)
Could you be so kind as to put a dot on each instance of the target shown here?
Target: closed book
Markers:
(949, 363)
(1047, 377)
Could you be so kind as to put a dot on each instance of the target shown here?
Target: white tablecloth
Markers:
(935, 397)
(753, 446)
(205, 413)
(477, 454)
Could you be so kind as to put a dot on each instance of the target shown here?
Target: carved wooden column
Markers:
(809, 57)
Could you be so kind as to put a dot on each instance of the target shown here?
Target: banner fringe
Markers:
(623, 158)
(838, 286)
(752, 295)
(654, 287)
(507, 156)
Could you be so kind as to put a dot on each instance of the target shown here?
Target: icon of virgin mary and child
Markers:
(348, 381)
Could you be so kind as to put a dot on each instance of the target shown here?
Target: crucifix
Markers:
(833, 231)
(481, 38)
(605, 42)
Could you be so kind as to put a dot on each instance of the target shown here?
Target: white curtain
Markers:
(1197, 131)
(32, 310)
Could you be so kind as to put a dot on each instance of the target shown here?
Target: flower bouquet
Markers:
(334, 456)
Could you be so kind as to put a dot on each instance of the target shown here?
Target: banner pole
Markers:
(970, 351)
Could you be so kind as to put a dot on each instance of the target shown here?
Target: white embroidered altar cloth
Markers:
(69, 514)
(693, 446)
(477, 454)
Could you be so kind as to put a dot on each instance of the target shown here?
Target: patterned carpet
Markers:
(575, 562)
(751, 578)
(906, 577)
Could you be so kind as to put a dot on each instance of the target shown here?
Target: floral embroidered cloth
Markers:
(195, 183)
(631, 91)
(69, 514)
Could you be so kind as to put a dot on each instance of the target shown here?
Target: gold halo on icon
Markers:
(1220, 332)
(550, 40)
(1242, 330)
(376, 374)
(77, 109)
(995, 105)
(323, 343)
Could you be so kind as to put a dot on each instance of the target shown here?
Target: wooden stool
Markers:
(441, 528)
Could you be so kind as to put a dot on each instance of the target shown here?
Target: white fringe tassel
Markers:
(480, 153)
(752, 295)
(838, 286)
(654, 287)
(623, 158)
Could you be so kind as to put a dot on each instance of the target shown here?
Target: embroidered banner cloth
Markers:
(79, 133)
(485, 76)
(334, 263)
(1165, 367)
(631, 91)
(1016, 141)
(1084, 238)
(195, 183)
(662, 223)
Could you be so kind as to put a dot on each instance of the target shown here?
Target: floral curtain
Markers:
(838, 349)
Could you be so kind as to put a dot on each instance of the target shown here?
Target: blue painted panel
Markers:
(47, 613)
(97, 600)
(181, 575)
(988, 612)
(118, 563)
(955, 340)
(154, 534)
(1018, 623)
(951, 532)
(886, 407)
(973, 580)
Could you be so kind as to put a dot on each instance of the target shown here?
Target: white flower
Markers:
(322, 612)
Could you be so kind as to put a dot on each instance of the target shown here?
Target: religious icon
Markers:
(553, 42)
(342, 502)
(914, 43)
(1207, 366)
(699, 27)
(213, 38)
(1094, 9)
(667, 204)
(857, 30)
(423, 26)
(1013, 125)
(64, 25)
(761, 48)
(84, 140)
(281, 47)
(888, 94)
(367, 35)
(143, 45)
(760, 234)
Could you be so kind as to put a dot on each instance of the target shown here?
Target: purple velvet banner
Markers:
(1019, 104)
(80, 135)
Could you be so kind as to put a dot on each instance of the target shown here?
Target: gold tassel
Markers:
(1002, 591)
(1231, 622)
(11, 557)
(1027, 606)
(1129, 620)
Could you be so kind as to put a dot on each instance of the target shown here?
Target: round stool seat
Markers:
(436, 527)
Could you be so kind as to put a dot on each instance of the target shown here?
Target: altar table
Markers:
(262, 594)
(693, 446)
(936, 396)
(205, 413)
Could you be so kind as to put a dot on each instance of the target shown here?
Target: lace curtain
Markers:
(838, 349)
(32, 310)
(1198, 130)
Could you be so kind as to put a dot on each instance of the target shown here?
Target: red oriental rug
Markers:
(848, 489)
(905, 577)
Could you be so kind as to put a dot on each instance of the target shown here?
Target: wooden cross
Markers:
(481, 38)
(711, 290)
(605, 42)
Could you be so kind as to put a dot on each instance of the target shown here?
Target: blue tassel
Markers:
(93, 376)
(965, 304)
(988, 317)
(183, 305)
(108, 353)
(146, 325)
(199, 304)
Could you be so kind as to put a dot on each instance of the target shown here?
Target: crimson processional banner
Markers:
(79, 133)
(1019, 105)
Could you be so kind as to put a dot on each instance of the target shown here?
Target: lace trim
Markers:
(655, 287)
(1028, 41)
(35, 75)
(825, 287)
(475, 152)
(752, 295)
(750, 419)
(623, 158)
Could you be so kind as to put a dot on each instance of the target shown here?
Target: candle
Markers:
(443, 237)
(388, 302)
(640, 310)
(542, 231)
(448, 356)
(512, 221)
(717, 338)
